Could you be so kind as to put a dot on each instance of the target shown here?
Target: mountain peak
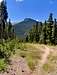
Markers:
(24, 26)
(29, 19)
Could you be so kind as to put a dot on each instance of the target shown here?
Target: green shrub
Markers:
(3, 65)
(6, 49)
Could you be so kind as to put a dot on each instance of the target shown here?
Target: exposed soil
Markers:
(18, 66)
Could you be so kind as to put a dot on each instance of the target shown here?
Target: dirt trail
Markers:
(18, 67)
(45, 55)
(42, 61)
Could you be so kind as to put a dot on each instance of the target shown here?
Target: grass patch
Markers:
(3, 65)
(32, 62)
(31, 53)
(48, 67)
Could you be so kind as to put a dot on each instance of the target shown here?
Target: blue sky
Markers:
(36, 9)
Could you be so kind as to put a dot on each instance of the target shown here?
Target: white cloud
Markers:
(19, 0)
(1, 1)
(37, 20)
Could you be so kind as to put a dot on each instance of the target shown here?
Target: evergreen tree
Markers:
(10, 26)
(44, 33)
(55, 32)
(50, 19)
(31, 36)
(37, 33)
(40, 27)
(10, 29)
(3, 18)
(4, 14)
(13, 32)
(27, 39)
(49, 28)
(6, 30)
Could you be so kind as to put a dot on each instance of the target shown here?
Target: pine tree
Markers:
(10, 29)
(55, 32)
(41, 32)
(44, 33)
(10, 26)
(31, 36)
(27, 39)
(37, 33)
(50, 19)
(13, 32)
(49, 28)
(40, 28)
(3, 18)
(6, 29)
(4, 13)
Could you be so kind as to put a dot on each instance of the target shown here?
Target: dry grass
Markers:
(31, 52)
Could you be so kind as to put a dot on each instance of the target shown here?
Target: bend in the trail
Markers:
(38, 70)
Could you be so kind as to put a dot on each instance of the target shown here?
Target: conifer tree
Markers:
(55, 32)
(37, 33)
(3, 18)
(6, 29)
(40, 28)
(13, 32)
(44, 33)
(49, 28)
(31, 36)
(50, 19)
(4, 14)
(27, 39)
(10, 26)
(10, 29)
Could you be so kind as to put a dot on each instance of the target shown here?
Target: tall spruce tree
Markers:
(36, 32)
(27, 39)
(40, 27)
(44, 33)
(55, 32)
(4, 14)
(13, 32)
(3, 18)
(50, 19)
(41, 32)
(31, 36)
(6, 29)
(10, 26)
(49, 28)
(10, 29)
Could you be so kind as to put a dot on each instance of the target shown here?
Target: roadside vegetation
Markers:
(6, 49)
